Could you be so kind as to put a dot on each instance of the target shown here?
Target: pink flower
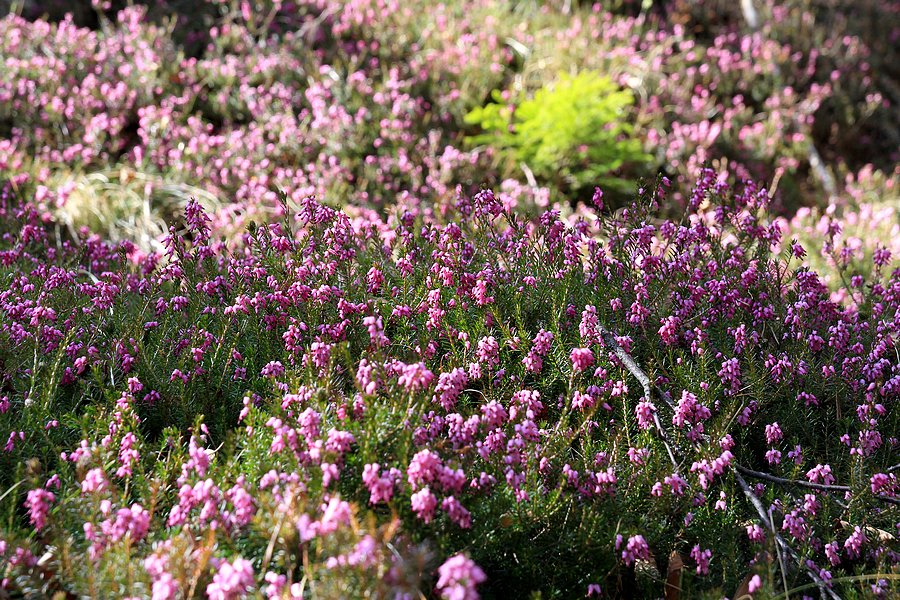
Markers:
(381, 487)
(375, 325)
(689, 411)
(272, 369)
(94, 481)
(795, 524)
(853, 544)
(581, 358)
(773, 433)
(336, 513)
(489, 351)
(38, 502)
(457, 512)
(820, 473)
(832, 551)
(134, 522)
(644, 413)
(635, 549)
(730, 375)
(701, 557)
(415, 377)
(423, 504)
(588, 327)
(458, 577)
(232, 580)
(756, 533)
(423, 468)
(449, 387)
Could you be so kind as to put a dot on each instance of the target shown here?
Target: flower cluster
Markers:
(294, 446)
(362, 102)
(213, 382)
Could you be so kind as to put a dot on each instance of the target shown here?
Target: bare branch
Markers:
(610, 340)
(792, 482)
(806, 484)
(639, 374)
(785, 547)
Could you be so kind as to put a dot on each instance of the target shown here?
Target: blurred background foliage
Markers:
(375, 104)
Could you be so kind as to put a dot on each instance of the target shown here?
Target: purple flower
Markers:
(423, 504)
(581, 358)
(458, 578)
(635, 549)
(38, 503)
(231, 580)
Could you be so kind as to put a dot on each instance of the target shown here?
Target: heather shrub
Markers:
(263, 334)
(848, 238)
(363, 103)
(851, 47)
(770, 101)
(382, 402)
(286, 106)
(571, 134)
(321, 97)
(76, 104)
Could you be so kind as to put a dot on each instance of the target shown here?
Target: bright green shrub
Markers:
(572, 134)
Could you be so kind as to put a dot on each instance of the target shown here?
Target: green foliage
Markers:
(572, 133)
(144, 369)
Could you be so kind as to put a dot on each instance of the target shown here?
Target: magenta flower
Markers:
(232, 580)
(458, 578)
(702, 558)
(636, 548)
(38, 503)
(423, 504)
(581, 358)
(94, 481)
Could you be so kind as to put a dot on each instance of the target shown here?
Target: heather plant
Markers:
(481, 404)
(362, 103)
(262, 333)
(849, 47)
(75, 105)
(298, 102)
(848, 238)
(820, 80)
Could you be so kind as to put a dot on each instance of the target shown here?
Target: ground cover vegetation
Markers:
(329, 299)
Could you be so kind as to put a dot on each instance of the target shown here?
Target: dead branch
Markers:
(610, 340)
(639, 374)
(785, 547)
(792, 482)
(806, 484)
